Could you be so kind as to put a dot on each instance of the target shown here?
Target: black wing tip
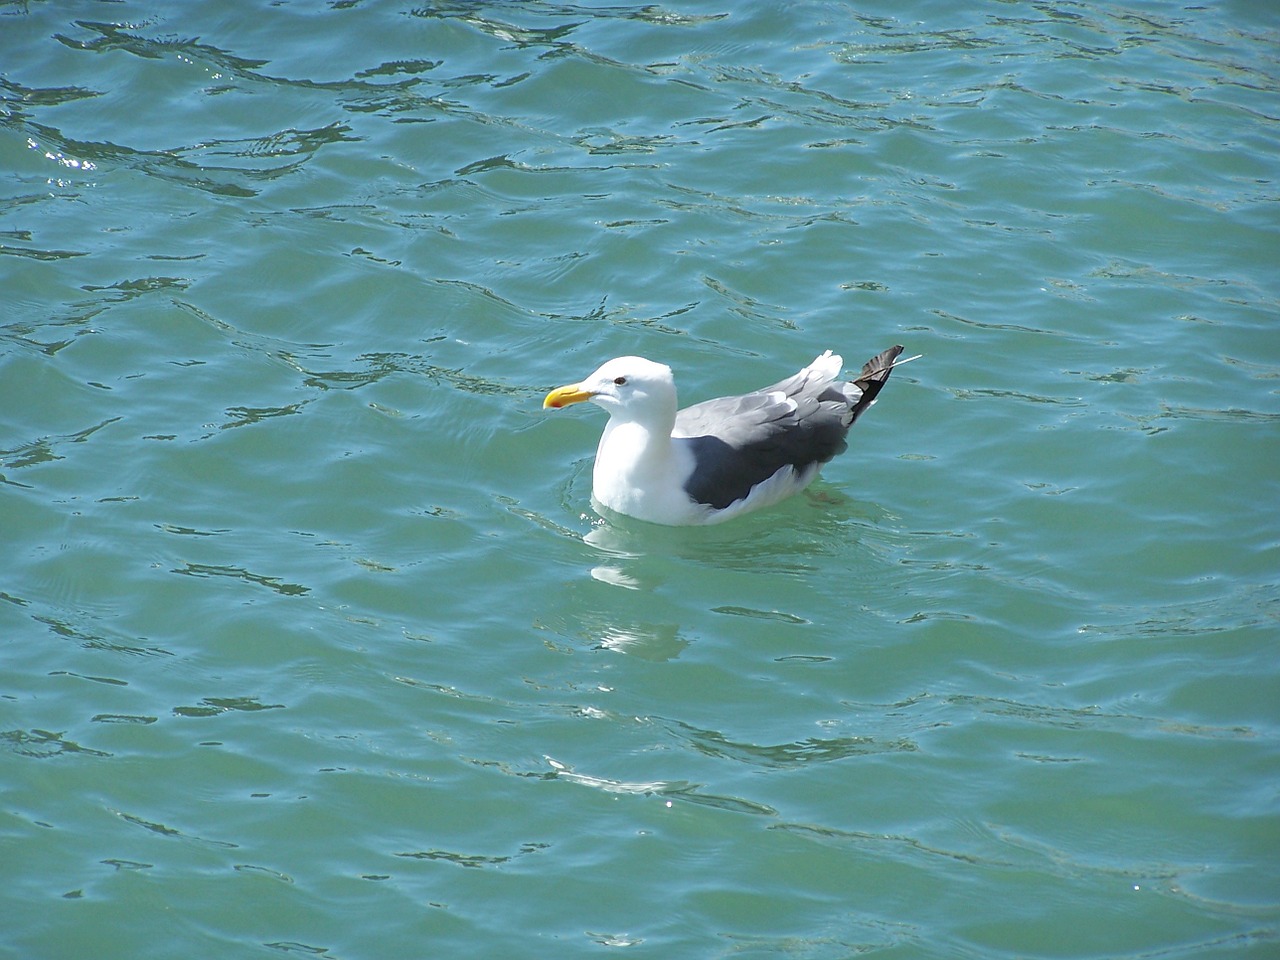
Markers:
(879, 366)
(875, 373)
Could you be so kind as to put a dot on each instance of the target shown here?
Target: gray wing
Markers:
(738, 442)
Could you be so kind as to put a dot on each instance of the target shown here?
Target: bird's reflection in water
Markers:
(649, 641)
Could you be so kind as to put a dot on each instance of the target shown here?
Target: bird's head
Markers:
(628, 387)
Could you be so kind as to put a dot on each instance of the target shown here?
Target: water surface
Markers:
(312, 642)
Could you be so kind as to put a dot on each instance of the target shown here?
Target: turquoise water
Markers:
(312, 643)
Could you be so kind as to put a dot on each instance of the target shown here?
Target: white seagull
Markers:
(722, 458)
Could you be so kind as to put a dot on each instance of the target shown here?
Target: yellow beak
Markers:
(563, 396)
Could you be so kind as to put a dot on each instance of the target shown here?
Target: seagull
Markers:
(722, 458)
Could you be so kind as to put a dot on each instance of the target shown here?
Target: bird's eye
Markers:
(620, 380)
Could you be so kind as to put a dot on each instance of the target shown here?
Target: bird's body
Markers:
(721, 458)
